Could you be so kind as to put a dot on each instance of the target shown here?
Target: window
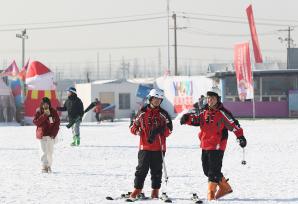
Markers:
(277, 85)
(124, 101)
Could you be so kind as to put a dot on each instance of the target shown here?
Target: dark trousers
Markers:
(97, 117)
(212, 163)
(146, 160)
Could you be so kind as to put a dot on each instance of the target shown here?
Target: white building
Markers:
(121, 93)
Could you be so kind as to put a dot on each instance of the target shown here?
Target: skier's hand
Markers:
(154, 132)
(47, 112)
(242, 141)
(184, 118)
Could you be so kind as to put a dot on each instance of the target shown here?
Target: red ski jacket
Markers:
(147, 120)
(214, 125)
(46, 125)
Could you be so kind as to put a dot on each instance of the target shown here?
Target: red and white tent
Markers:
(40, 83)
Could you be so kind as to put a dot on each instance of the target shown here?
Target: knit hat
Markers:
(72, 90)
(46, 100)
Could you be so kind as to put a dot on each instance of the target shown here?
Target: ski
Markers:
(165, 198)
(126, 197)
(141, 196)
(122, 196)
(195, 198)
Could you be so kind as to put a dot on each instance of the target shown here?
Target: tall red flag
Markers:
(12, 70)
(243, 71)
(22, 73)
(254, 36)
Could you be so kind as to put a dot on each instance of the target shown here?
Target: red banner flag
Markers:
(243, 71)
(12, 70)
(254, 36)
(22, 73)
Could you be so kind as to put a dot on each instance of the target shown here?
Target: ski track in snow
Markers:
(105, 162)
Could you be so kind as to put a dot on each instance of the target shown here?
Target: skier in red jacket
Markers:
(153, 124)
(47, 121)
(214, 121)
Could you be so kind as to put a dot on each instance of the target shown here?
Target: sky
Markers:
(206, 32)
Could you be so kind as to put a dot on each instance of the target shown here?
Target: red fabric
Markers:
(243, 71)
(146, 120)
(44, 127)
(97, 108)
(211, 133)
(31, 104)
(254, 35)
(36, 68)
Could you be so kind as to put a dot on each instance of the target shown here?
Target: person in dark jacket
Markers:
(214, 121)
(47, 121)
(74, 106)
(153, 124)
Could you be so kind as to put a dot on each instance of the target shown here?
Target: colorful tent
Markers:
(7, 105)
(40, 83)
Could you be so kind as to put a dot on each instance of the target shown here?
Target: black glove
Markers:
(153, 134)
(184, 118)
(242, 141)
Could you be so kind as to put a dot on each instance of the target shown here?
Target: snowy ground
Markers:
(105, 163)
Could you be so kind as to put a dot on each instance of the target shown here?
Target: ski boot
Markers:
(155, 193)
(134, 195)
(78, 140)
(211, 190)
(224, 188)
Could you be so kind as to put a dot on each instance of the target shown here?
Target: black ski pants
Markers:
(212, 163)
(148, 160)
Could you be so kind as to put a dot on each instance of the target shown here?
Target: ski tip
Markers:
(198, 202)
(109, 198)
(168, 201)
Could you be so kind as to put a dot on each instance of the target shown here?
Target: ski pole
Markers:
(243, 162)
(163, 163)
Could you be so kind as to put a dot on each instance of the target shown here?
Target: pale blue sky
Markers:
(48, 45)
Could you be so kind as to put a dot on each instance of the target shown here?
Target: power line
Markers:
(207, 33)
(83, 25)
(237, 17)
(225, 48)
(232, 21)
(78, 20)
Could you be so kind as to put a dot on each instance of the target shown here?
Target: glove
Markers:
(242, 141)
(153, 134)
(184, 118)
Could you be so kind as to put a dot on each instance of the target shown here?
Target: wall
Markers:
(123, 87)
(278, 109)
(84, 93)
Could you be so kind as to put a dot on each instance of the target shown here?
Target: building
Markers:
(274, 91)
(121, 93)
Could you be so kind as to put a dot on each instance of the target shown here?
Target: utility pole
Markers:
(23, 36)
(289, 40)
(168, 13)
(110, 66)
(97, 65)
(175, 43)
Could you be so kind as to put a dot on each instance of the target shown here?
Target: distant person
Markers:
(97, 109)
(47, 121)
(214, 121)
(74, 106)
(153, 125)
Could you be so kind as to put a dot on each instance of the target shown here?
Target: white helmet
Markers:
(157, 93)
(215, 91)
